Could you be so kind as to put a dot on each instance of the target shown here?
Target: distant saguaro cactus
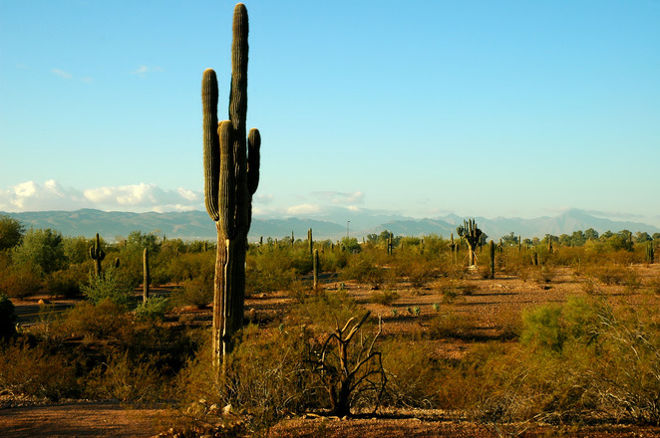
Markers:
(146, 278)
(310, 242)
(650, 252)
(97, 254)
(472, 236)
(316, 267)
(492, 259)
(231, 176)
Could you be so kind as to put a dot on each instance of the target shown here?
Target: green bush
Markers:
(95, 321)
(196, 292)
(153, 309)
(107, 287)
(550, 326)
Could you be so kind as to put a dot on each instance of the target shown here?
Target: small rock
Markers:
(226, 410)
(42, 302)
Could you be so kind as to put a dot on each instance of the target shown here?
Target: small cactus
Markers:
(97, 254)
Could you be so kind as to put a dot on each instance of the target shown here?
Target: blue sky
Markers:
(490, 108)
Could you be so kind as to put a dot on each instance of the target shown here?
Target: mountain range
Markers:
(193, 225)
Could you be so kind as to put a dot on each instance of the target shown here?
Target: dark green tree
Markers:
(11, 232)
(43, 248)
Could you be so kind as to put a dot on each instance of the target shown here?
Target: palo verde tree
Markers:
(231, 176)
(472, 236)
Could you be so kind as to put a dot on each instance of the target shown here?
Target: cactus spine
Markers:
(231, 176)
(492, 258)
(146, 278)
(97, 254)
(316, 265)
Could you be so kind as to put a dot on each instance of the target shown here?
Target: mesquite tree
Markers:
(231, 176)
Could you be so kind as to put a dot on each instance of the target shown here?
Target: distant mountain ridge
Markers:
(197, 225)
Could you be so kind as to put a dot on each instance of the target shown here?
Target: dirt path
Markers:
(80, 420)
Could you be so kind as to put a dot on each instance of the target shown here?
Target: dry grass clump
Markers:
(451, 324)
(386, 297)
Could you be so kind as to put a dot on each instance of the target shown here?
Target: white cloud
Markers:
(303, 209)
(143, 70)
(340, 198)
(33, 196)
(61, 73)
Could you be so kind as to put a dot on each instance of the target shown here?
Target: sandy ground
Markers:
(80, 420)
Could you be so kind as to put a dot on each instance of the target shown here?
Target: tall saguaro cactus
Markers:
(231, 176)
(472, 235)
(97, 254)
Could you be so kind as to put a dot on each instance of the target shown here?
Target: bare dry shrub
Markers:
(265, 380)
(412, 375)
(35, 371)
(126, 379)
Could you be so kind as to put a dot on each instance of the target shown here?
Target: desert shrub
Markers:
(416, 269)
(324, 310)
(265, 379)
(107, 287)
(631, 280)
(196, 292)
(453, 289)
(550, 326)
(153, 309)
(386, 297)
(126, 379)
(22, 280)
(609, 274)
(580, 360)
(36, 372)
(363, 271)
(66, 282)
(95, 321)
(449, 324)
(412, 375)
(7, 318)
(544, 274)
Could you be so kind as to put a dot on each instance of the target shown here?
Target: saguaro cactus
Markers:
(310, 242)
(492, 259)
(146, 278)
(97, 254)
(650, 252)
(316, 267)
(231, 176)
(472, 235)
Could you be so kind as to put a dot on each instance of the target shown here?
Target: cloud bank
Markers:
(33, 196)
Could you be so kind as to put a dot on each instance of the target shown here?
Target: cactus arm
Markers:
(254, 145)
(211, 146)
